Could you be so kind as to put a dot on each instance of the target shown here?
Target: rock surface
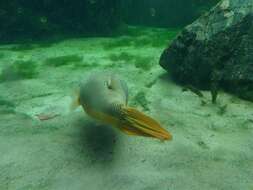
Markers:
(216, 49)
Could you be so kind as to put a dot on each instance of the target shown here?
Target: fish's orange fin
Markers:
(128, 132)
(131, 131)
(140, 124)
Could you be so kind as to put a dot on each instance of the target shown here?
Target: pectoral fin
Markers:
(137, 123)
(131, 131)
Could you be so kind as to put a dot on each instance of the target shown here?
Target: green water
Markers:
(44, 145)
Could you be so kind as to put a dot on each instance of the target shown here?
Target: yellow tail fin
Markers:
(136, 123)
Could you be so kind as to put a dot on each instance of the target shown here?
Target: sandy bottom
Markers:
(44, 145)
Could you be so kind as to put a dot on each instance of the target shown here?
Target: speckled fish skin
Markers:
(103, 92)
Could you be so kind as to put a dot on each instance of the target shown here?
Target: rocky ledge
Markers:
(216, 51)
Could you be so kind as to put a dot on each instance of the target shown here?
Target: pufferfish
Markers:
(104, 96)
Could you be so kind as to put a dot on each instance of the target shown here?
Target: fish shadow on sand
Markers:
(99, 141)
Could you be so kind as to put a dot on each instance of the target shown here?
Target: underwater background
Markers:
(188, 64)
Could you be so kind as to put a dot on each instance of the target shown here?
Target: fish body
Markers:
(105, 97)
(102, 92)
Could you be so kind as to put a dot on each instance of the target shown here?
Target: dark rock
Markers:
(22, 20)
(216, 50)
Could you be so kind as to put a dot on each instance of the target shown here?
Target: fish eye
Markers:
(108, 84)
